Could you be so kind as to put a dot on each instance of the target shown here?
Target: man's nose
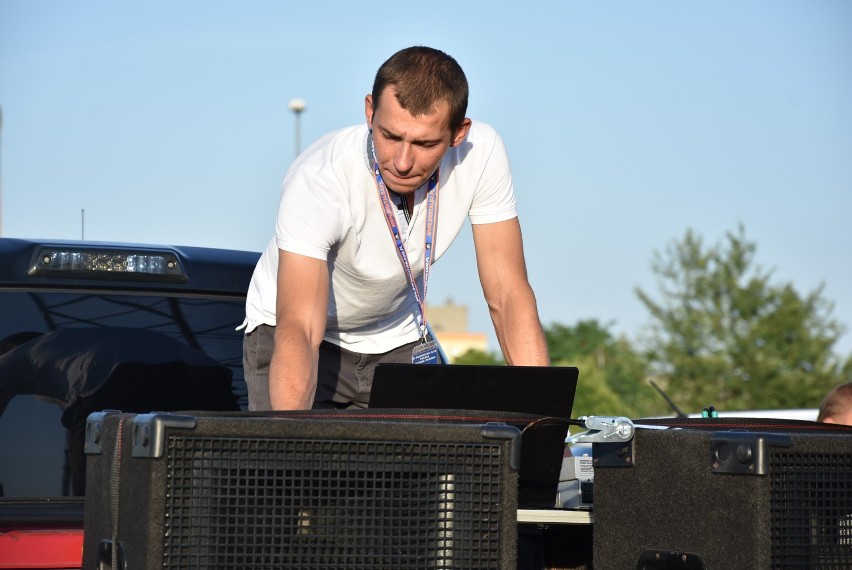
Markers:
(403, 160)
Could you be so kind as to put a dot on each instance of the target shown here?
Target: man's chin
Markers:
(404, 187)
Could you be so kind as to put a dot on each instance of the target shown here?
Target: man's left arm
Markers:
(510, 298)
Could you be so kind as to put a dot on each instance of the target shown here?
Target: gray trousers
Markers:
(344, 378)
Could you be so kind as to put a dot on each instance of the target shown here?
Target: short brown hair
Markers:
(423, 77)
(836, 402)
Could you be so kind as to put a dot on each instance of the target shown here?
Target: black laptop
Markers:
(547, 392)
(540, 390)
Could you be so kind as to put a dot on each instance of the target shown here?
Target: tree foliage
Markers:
(479, 357)
(725, 334)
(612, 374)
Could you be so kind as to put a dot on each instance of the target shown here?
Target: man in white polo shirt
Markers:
(364, 213)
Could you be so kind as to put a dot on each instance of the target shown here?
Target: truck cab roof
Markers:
(193, 295)
(41, 264)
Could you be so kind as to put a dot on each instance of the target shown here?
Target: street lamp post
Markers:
(298, 107)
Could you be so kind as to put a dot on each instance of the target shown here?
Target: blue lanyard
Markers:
(431, 219)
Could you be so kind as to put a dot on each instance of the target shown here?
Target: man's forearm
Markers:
(519, 331)
(510, 298)
(292, 373)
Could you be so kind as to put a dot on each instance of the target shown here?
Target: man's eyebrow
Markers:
(390, 134)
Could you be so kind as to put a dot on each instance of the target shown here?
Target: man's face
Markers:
(409, 148)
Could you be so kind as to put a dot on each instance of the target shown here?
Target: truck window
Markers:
(34, 455)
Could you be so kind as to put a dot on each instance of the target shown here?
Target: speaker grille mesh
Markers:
(307, 503)
(811, 498)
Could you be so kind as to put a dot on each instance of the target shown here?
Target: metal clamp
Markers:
(603, 429)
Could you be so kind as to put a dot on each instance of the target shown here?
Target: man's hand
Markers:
(301, 307)
(503, 274)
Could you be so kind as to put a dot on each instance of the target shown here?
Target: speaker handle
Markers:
(665, 560)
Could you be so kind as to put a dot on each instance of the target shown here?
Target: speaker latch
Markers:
(110, 555)
(149, 432)
(93, 442)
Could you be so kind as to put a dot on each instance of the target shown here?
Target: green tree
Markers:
(585, 338)
(724, 334)
(479, 357)
(612, 373)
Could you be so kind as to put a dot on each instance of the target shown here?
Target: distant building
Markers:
(449, 323)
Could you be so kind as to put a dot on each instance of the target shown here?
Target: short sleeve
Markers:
(494, 199)
(309, 213)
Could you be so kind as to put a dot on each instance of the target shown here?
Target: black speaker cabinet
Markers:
(199, 491)
(724, 499)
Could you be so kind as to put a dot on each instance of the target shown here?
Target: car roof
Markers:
(198, 269)
(809, 414)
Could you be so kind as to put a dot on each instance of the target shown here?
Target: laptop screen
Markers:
(540, 390)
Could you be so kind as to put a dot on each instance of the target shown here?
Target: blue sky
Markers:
(626, 122)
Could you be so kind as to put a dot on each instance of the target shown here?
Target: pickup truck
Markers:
(193, 295)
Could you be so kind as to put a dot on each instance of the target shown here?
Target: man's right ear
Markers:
(368, 110)
(461, 133)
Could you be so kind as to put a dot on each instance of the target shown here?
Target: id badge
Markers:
(425, 353)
